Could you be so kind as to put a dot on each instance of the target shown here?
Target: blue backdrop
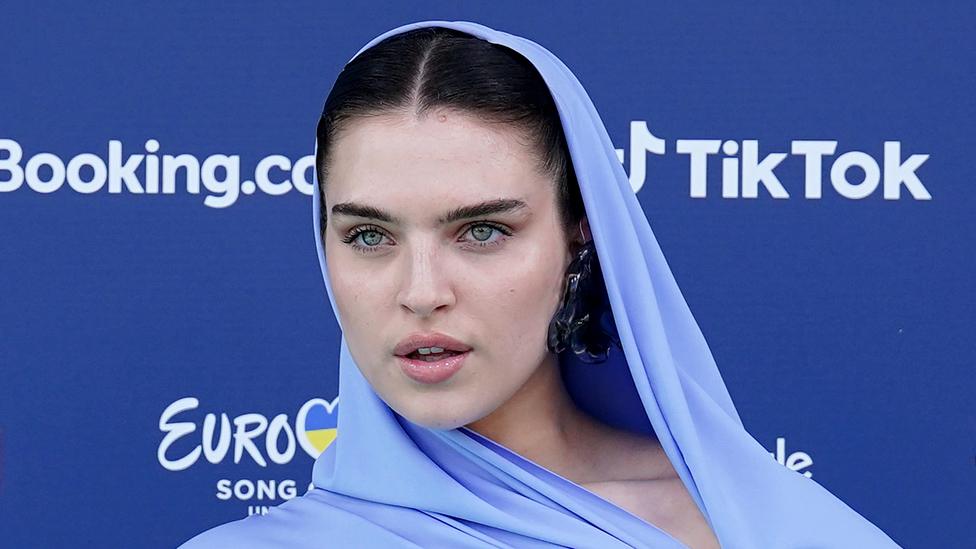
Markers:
(807, 170)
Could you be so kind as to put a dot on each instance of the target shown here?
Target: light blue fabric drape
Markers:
(386, 482)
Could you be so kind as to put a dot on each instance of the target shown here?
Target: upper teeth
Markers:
(430, 350)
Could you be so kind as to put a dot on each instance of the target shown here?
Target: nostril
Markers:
(425, 301)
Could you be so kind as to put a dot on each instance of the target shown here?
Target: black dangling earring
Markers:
(583, 322)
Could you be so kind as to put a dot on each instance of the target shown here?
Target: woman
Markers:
(500, 387)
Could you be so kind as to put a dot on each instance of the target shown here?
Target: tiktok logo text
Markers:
(744, 169)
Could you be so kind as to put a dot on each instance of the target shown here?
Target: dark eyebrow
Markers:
(501, 205)
(359, 210)
(488, 207)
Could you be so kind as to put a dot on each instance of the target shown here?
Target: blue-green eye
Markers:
(365, 238)
(371, 238)
(486, 234)
(482, 232)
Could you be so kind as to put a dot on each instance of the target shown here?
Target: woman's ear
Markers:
(584, 229)
(579, 235)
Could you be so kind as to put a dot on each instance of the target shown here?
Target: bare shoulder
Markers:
(665, 503)
(639, 478)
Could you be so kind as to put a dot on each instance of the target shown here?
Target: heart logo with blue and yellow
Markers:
(318, 419)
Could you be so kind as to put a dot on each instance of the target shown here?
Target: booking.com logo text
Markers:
(148, 173)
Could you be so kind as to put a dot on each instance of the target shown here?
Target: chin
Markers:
(441, 416)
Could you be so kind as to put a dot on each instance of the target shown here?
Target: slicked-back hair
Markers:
(432, 68)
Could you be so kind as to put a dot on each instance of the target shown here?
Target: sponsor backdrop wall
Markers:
(167, 349)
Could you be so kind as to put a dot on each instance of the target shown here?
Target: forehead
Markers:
(443, 154)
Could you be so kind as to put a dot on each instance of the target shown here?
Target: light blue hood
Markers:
(386, 482)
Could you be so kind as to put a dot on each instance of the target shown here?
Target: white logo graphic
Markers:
(743, 170)
(253, 435)
(795, 461)
(147, 173)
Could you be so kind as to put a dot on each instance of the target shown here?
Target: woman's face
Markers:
(443, 225)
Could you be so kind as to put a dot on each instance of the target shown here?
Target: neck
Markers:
(543, 424)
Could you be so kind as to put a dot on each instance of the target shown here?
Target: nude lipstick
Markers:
(430, 357)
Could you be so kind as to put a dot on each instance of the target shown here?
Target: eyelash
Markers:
(353, 234)
(500, 228)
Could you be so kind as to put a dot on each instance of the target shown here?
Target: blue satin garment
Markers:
(386, 482)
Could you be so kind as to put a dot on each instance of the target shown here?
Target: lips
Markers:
(431, 357)
(413, 342)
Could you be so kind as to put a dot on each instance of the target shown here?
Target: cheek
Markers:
(523, 296)
(355, 293)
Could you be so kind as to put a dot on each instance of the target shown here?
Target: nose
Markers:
(426, 286)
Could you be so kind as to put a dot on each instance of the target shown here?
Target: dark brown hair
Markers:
(434, 67)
